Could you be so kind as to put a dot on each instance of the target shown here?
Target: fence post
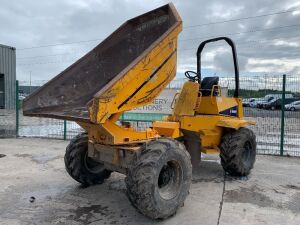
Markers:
(282, 114)
(17, 108)
(65, 130)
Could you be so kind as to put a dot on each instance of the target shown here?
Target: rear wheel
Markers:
(81, 167)
(238, 152)
(159, 180)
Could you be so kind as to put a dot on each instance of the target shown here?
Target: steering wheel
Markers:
(193, 77)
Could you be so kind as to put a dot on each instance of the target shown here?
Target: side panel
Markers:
(141, 84)
(167, 129)
(213, 105)
(186, 103)
(206, 126)
(210, 128)
(8, 69)
(234, 123)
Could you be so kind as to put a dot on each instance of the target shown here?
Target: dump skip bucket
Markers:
(68, 95)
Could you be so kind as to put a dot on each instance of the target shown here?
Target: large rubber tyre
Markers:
(238, 152)
(79, 166)
(159, 179)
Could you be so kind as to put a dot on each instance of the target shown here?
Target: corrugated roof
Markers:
(6, 46)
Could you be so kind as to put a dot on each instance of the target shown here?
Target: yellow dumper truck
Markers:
(129, 69)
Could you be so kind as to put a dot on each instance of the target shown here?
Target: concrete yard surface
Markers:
(36, 189)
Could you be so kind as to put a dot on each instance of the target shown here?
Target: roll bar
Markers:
(234, 55)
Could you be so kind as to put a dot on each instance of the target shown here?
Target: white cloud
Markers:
(36, 23)
(286, 43)
(276, 66)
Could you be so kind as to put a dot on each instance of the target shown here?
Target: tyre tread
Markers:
(140, 176)
(231, 147)
(74, 163)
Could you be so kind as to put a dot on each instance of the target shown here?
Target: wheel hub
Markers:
(169, 180)
(164, 176)
(247, 153)
(91, 165)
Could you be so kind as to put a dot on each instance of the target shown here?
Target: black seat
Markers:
(207, 84)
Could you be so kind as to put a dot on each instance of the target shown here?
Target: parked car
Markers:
(248, 101)
(270, 98)
(293, 106)
(276, 103)
(267, 99)
(256, 101)
(22, 96)
(265, 104)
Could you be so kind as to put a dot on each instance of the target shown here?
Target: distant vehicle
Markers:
(264, 104)
(248, 101)
(270, 98)
(253, 104)
(261, 104)
(279, 96)
(293, 106)
(276, 103)
(22, 96)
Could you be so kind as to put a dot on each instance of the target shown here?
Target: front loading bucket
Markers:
(135, 50)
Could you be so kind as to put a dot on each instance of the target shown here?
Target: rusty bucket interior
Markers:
(67, 95)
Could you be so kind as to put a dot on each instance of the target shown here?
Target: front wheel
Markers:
(238, 151)
(80, 167)
(293, 109)
(159, 179)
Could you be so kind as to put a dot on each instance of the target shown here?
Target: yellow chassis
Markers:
(114, 144)
(202, 115)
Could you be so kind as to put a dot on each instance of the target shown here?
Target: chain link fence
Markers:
(278, 121)
(277, 128)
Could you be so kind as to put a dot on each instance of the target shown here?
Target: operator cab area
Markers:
(205, 94)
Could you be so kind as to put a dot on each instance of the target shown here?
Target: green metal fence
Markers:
(277, 129)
